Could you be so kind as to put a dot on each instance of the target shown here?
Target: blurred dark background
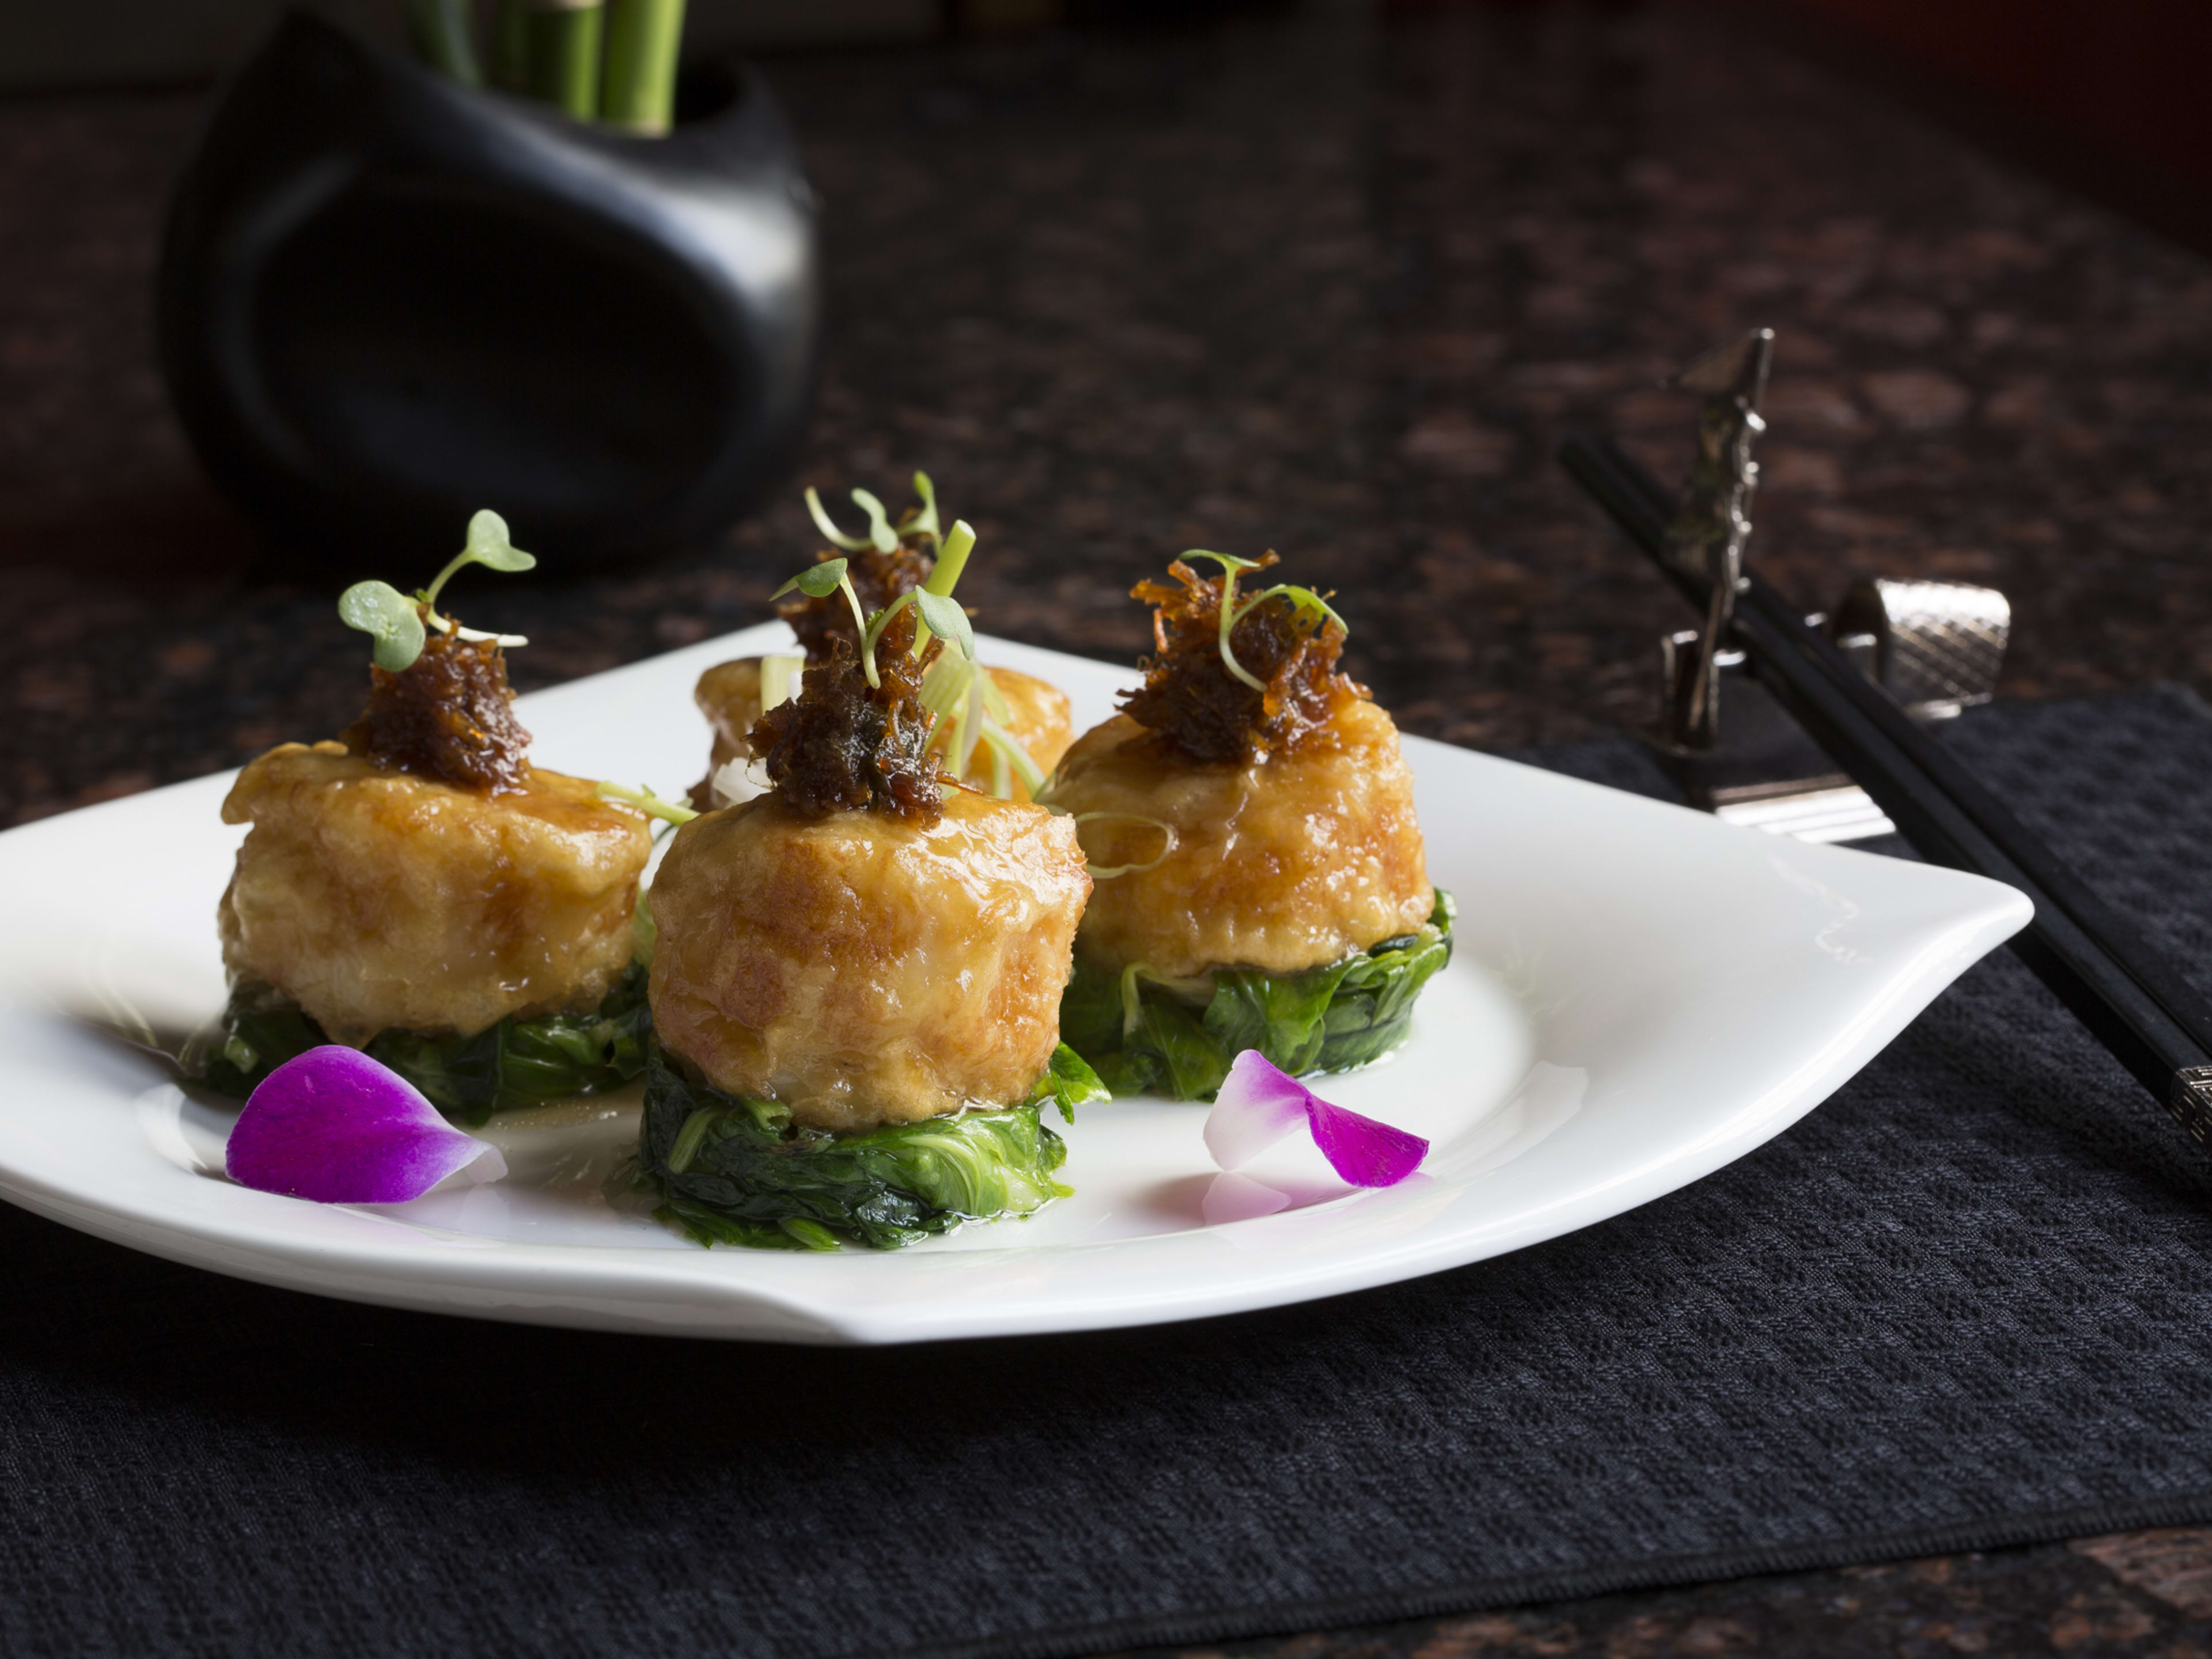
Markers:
(2125, 77)
(2112, 79)
(1329, 277)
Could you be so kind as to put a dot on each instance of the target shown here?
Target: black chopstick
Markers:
(2100, 966)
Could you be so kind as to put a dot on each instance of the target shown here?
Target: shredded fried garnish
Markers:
(843, 744)
(1197, 709)
(450, 716)
(878, 578)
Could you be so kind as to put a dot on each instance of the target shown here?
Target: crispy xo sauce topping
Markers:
(1261, 687)
(448, 715)
(843, 745)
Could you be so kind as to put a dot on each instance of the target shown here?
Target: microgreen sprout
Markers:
(952, 560)
(1231, 565)
(880, 535)
(957, 690)
(922, 521)
(643, 798)
(823, 523)
(945, 617)
(966, 703)
(821, 580)
(391, 620)
(818, 581)
(938, 615)
(489, 545)
(1301, 598)
(395, 622)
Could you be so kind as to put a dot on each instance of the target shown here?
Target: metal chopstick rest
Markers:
(2115, 983)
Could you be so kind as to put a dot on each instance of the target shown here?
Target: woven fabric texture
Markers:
(1968, 1301)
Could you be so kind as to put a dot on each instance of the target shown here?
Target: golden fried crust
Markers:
(1288, 865)
(862, 969)
(1037, 717)
(378, 899)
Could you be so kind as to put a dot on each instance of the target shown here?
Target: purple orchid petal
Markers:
(1364, 1153)
(1259, 1103)
(334, 1126)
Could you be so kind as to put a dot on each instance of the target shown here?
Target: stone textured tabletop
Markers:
(1324, 286)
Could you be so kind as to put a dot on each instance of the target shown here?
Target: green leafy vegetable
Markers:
(1142, 1037)
(517, 1062)
(1068, 1082)
(732, 1170)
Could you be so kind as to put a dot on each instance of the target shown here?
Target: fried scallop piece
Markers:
(1038, 718)
(863, 969)
(1291, 863)
(379, 899)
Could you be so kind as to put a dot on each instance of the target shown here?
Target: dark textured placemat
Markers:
(1966, 1303)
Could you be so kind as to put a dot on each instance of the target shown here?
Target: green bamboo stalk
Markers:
(439, 32)
(510, 46)
(642, 39)
(564, 54)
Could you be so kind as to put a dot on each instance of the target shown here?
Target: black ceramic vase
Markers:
(386, 300)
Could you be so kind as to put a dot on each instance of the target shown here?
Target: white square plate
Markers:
(1640, 994)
